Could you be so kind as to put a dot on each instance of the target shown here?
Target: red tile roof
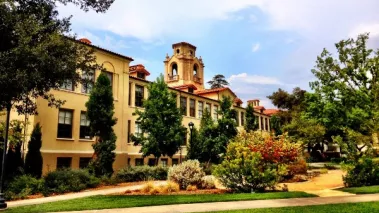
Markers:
(206, 91)
(238, 101)
(185, 86)
(271, 111)
(89, 43)
(183, 43)
(138, 68)
(259, 108)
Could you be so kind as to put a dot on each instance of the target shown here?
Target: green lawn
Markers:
(362, 190)
(369, 207)
(109, 202)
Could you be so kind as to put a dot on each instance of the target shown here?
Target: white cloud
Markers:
(373, 29)
(256, 47)
(106, 41)
(253, 79)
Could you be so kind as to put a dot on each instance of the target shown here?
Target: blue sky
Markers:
(259, 45)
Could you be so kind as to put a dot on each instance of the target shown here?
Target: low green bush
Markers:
(142, 173)
(23, 186)
(62, 181)
(187, 173)
(363, 173)
(331, 166)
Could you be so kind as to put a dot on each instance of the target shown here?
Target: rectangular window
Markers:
(140, 75)
(183, 105)
(190, 90)
(242, 119)
(67, 85)
(65, 123)
(84, 126)
(64, 162)
(139, 162)
(175, 161)
(200, 109)
(137, 129)
(139, 93)
(192, 108)
(84, 162)
(129, 131)
(130, 94)
(215, 112)
(151, 162)
(164, 162)
(208, 107)
(88, 81)
(110, 77)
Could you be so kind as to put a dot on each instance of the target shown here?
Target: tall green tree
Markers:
(161, 120)
(218, 81)
(275, 125)
(195, 146)
(100, 111)
(34, 160)
(345, 100)
(251, 123)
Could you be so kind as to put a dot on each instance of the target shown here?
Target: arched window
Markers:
(174, 70)
(195, 68)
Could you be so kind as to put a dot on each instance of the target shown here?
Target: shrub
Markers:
(186, 173)
(172, 187)
(23, 186)
(191, 188)
(147, 187)
(245, 170)
(155, 191)
(62, 181)
(298, 167)
(108, 181)
(207, 182)
(363, 173)
(330, 166)
(141, 173)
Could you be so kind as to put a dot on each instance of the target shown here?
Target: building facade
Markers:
(65, 138)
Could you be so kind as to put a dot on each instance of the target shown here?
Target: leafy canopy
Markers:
(218, 81)
(161, 120)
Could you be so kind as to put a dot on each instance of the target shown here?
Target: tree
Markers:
(346, 95)
(275, 125)
(161, 120)
(34, 160)
(251, 123)
(100, 111)
(195, 146)
(218, 81)
(286, 101)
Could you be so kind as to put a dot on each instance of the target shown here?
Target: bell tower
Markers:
(183, 68)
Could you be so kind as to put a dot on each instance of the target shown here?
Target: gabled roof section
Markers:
(138, 68)
(206, 91)
(183, 44)
(238, 101)
(259, 108)
(185, 86)
(89, 43)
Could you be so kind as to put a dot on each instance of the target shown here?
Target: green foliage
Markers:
(162, 120)
(13, 164)
(251, 121)
(22, 186)
(141, 173)
(187, 173)
(100, 111)
(195, 145)
(345, 99)
(284, 100)
(218, 81)
(62, 181)
(243, 170)
(275, 125)
(34, 160)
(365, 172)
(37, 53)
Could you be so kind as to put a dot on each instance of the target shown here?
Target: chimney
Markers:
(254, 102)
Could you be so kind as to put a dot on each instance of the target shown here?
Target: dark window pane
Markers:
(192, 108)
(68, 85)
(139, 95)
(84, 162)
(65, 124)
(140, 75)
(164, 162)
(151, 162)
(84, 132)
(175, 161)
(139, 161)
(183, 105)
(64, 162)
(130, 94)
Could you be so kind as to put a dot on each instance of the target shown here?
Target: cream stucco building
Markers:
(65, 140)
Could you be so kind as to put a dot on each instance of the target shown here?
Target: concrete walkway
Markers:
(75, 195)
(221, 206)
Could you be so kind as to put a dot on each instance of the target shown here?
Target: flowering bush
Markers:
(253, 162)
(186, 173)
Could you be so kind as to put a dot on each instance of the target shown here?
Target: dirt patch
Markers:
(331, 180)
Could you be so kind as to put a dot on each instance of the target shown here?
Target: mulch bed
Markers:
(182, 192)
